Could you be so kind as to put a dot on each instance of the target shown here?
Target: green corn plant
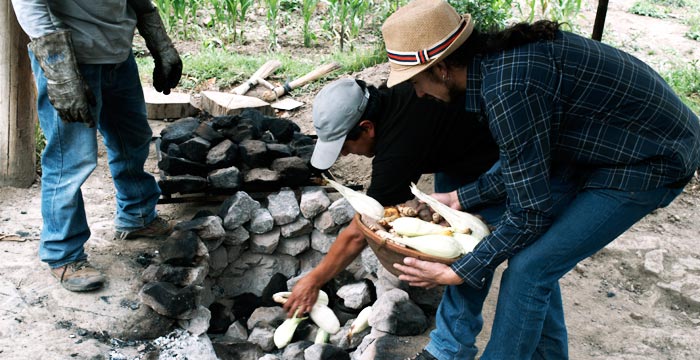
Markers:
(307, 9)
(272, 12)
(245, 6)
(164, 9)
(231, 19)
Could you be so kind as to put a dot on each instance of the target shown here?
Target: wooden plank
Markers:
(175, 105)
(17, 104)
(219, 103)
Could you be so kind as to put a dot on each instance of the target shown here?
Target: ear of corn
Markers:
(362, 203)
(410, 226)
(321, 337)
(361, 322)
(437, 245)
(284, 333)
(466, 241)
(460, 221)
(325, 318)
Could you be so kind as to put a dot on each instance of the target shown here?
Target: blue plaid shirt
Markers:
(571, 102)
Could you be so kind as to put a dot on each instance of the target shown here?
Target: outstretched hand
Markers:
(303, 297)
(426, 274)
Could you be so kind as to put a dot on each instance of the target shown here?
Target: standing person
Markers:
(590, 140)
(406, 137)
(87, 80)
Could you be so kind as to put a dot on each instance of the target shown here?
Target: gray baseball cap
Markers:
(337, 108)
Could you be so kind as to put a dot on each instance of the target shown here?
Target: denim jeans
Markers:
(529, 321)
(70, 157)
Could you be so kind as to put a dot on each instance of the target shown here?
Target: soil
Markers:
(639, 298)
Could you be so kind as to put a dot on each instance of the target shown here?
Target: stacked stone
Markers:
(249, 151)
(215, 275)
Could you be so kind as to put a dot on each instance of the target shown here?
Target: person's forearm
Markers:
(347, 246)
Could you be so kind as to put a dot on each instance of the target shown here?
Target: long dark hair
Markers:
(488, 42)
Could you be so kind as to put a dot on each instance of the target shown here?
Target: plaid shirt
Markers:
(577, 103)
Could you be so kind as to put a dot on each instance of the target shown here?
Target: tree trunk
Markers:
(17, 104)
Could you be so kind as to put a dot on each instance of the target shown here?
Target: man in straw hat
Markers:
(351, 117)
(591, 140)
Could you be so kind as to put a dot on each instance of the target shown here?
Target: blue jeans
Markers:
(70, 157)
(529, 321)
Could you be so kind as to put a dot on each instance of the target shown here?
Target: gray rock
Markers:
(208, 228)
(289, 265)
(218, 261)
(234, 252)
(355, 296)
(237, 236)
(295, 350)
(240, 351)
(179, 166)
(195, 149)
(249, 274)
(322, 242)
(298, 227)
(309, 259)
(178, 131)
(341, 211)
(294, 245)
(236, 333)
(229, 178)
(654, 261)
(314, 201)
(272, 316)
(263, 337)
(181, 344)
(261, 221)
(283, 206)
(265, 243)
(395, 313)
(199, 323)
(168, 300)
(183, 184)
(370, 261)
(270, 357)
(177, 275)
(293, 170)
(278, 150)
(325, 224)
(237, 210)
(325, 352)
(261, 177)
(222, 155)
(254, 153)
(179, 249)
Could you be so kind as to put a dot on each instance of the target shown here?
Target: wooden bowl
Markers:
(389, 252)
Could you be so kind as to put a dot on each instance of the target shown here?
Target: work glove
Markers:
(168, 66)
(66, 88)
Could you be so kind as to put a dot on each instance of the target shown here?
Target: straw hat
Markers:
(420, 34)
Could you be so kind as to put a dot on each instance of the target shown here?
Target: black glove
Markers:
(68, 92)
(168, 66)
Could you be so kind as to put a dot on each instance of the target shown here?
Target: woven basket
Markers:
(389, 253)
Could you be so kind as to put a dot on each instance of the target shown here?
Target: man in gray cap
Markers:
(390, 126)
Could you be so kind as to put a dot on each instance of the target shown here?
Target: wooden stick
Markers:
(265, 70)
(272, 95)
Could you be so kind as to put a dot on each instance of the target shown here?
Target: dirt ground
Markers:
(639, 298)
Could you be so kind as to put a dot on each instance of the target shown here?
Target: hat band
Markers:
(423, 56)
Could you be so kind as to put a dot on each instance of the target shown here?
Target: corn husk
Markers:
(460, 221)
(466, 241)
(410, 226)
(362, 203)
(325, 318)
(361, 322)
(284, 333)
(444, 246)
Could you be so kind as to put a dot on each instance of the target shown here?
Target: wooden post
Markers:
(17, 104)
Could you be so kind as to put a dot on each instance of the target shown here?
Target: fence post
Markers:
(17, 104)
